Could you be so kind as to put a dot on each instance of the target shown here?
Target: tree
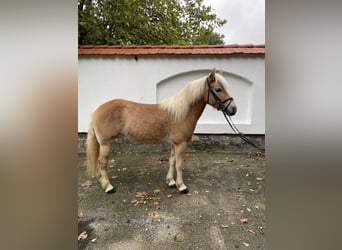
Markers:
(147, 22)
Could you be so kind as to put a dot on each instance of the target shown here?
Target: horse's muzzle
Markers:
(228, 107)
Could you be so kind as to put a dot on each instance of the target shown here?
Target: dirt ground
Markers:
(224, 208)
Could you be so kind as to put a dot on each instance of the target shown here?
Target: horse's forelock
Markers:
(223, 81)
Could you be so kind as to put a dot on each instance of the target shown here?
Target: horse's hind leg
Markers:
(171, 173)
(103, 161)
(179, 153)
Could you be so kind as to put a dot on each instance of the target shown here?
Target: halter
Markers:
(223, 105)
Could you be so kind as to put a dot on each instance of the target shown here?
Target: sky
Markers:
(246, 20)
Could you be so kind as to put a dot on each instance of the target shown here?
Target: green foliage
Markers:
(147, 22)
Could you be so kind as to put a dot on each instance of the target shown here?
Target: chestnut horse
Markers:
(172, 121)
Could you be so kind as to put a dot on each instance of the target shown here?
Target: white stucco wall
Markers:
(149, 79)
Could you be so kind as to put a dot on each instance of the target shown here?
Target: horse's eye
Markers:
(218, 90)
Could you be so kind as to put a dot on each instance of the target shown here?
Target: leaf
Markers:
(259, 179)
(87, 184)
(140, 194)
(246, 244)
(80, 214)
(82, 235)
(179, 237)
(156, 191)
(188, 156)
(114, 177)
(154, 215)
(134, 201)
(169, 196)
(244, 220)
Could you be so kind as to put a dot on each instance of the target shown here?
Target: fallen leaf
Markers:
(80, 214)
(135, 201)
(82, 235)
(169, 196)
(259, 179)
(156, 191)
(259, 154)
(244, 220)
(251, 231)
(93, 240)
(245, 244)
(188, 156)
(179, 237)
(114, 177)
(224, 226)
(111, 160)
(164, 159)
(154, 215)
(140, 194)
(87, 184)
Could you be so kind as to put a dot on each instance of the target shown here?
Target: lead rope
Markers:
(229, 119)
(240, 134)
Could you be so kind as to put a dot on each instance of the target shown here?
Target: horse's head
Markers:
(217, 93)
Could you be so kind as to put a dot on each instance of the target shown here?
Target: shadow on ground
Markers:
(224, 209)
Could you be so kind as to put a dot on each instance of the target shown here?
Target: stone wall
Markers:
(208, 142)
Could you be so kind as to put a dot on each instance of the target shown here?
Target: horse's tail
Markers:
(92, 152)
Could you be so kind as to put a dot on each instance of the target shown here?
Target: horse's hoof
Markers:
(110, 189)
(185, 191)
(172, 184)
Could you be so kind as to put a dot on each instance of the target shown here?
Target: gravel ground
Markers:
(224, 208)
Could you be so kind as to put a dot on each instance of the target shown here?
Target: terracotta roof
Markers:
(171, 49)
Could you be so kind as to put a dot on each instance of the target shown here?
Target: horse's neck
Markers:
(196, 109)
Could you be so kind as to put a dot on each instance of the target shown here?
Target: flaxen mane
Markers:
(178, 105)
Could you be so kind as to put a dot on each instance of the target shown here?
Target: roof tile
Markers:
(171, 50)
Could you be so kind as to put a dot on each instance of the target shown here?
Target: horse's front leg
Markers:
(179, 153)
(171, 173)
(103, 161)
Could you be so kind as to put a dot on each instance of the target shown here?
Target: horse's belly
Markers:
(145, 134)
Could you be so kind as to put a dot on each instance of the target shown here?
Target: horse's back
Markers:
(146, 123)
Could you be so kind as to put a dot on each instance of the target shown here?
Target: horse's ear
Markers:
(211, 77)
(220, 72)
